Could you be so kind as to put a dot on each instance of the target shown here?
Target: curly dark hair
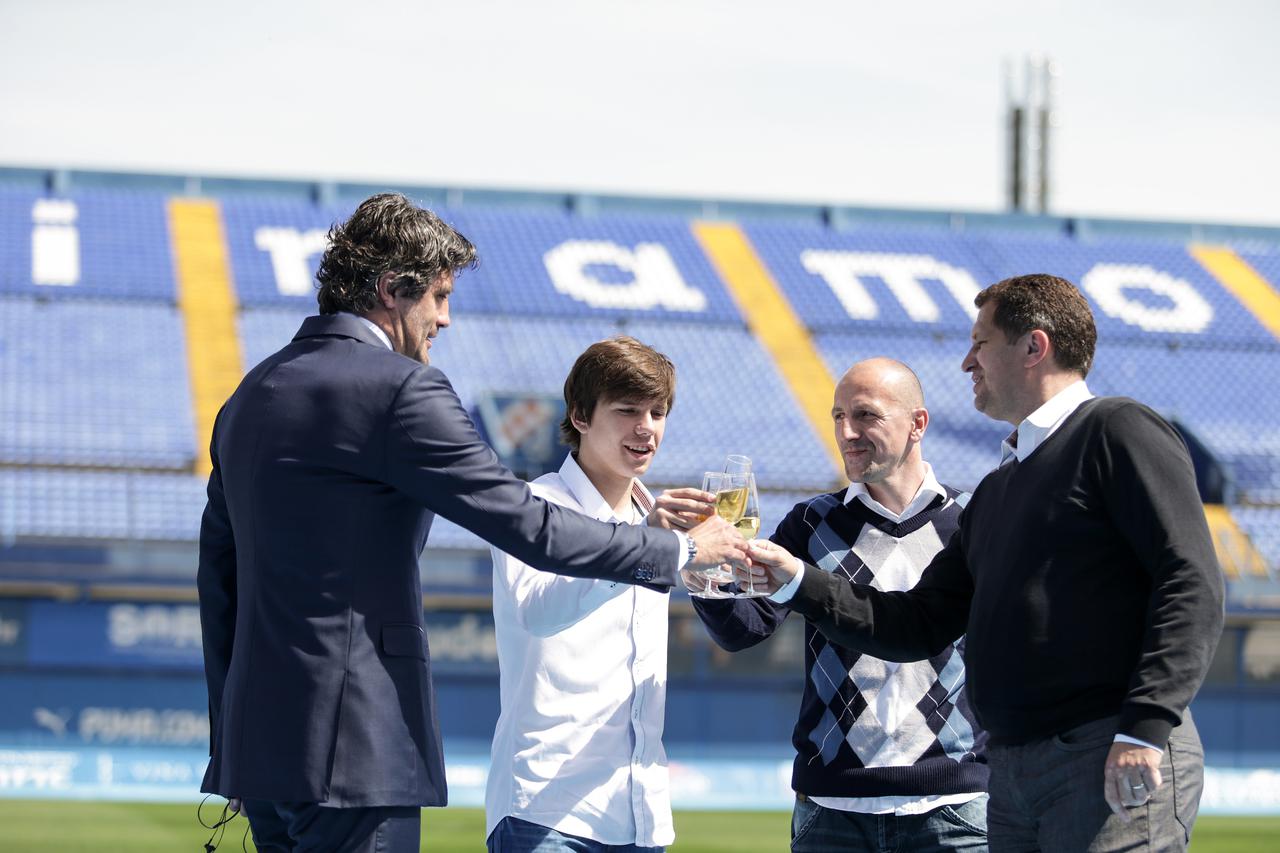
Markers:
(387, 233)
(620, 368)
(1051, 304)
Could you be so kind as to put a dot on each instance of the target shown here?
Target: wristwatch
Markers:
(691, 550)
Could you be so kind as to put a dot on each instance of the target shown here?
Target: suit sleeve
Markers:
(435, 455)
(216, 585)
(1149, 488)
(897, 626)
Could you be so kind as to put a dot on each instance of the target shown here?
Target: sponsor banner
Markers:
(167, 637)
(13, 632)
(462, 641)
(146, 775)
(1241, 791)
(104, 634)
(720, 783)
(61, 710)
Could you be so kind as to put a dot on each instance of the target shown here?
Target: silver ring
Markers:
(1137, 786)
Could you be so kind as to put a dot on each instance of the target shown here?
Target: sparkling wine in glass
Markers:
(748, 525)
(715, 482)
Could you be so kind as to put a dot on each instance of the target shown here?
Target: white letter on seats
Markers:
(843, 271)
(289, 249)
(655, 278)
(1107, 283)
(55, 243)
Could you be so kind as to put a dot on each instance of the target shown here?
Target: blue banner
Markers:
(13, 631)
(100, 634)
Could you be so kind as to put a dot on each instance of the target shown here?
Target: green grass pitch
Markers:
(70, 827)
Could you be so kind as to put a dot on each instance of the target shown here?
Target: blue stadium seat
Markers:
(729, 399)
(92, 383)
(608, 267)
(100, 244)
(1225, 396)
(1145, 290)
(275, 247)
(70, 504)
(112, 392)
(913, 279)
(1262, 526)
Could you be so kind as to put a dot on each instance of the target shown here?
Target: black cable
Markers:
(218, 827)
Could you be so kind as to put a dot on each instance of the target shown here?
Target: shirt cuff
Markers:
(1133, 740)
(684, 550)
(788, 589)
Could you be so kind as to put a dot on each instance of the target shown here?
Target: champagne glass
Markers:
(735, 464)
(715, 482)
(748, 525)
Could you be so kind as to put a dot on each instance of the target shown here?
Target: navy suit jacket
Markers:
(330, 461)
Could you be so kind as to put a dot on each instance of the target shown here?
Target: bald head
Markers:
(880, 419)
(894, 379)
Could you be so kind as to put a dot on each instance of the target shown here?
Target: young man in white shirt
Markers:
(577, 759)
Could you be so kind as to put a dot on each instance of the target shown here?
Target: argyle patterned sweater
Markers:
(868, 727)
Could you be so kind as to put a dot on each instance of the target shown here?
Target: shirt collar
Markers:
(929, 489)
(1043, 422)
(382, 336)
(589, 497)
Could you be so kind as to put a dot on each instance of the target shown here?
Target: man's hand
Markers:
(1130, 777)
(718, 542)
(777, 562)
(681, 509)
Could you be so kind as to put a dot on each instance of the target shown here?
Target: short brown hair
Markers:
(387, 233)
(619, 368)
(1051, 304)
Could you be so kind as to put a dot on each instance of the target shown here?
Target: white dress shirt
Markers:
(373, 327)
(1043, 422)
(578, 746)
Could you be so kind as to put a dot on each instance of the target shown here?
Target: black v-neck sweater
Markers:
(1084, 577)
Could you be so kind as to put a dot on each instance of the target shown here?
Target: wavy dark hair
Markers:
(387, 233)
(620, 368)
(1051, 304)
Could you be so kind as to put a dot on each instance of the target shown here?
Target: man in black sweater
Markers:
(1084, 576)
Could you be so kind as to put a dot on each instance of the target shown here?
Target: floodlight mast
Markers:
(1029, 99)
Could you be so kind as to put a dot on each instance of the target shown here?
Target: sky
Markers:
(1164, 110)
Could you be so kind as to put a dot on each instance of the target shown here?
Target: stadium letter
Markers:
(843, 271)
(1188, 311)
(55, 243)
(290, 250)
(655, 280)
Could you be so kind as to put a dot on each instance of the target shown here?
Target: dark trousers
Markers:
(311, 828)
(1046, 796)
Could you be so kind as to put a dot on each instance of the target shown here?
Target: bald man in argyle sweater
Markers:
(888, 755)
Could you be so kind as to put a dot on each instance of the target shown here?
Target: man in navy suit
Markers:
(330, 462)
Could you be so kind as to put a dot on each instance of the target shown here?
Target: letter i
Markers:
(55, 243)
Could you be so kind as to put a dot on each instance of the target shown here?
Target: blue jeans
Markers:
(818, 830)
(513, 835)
(1046, 795)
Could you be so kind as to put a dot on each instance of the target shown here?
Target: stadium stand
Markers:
(93, 268)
